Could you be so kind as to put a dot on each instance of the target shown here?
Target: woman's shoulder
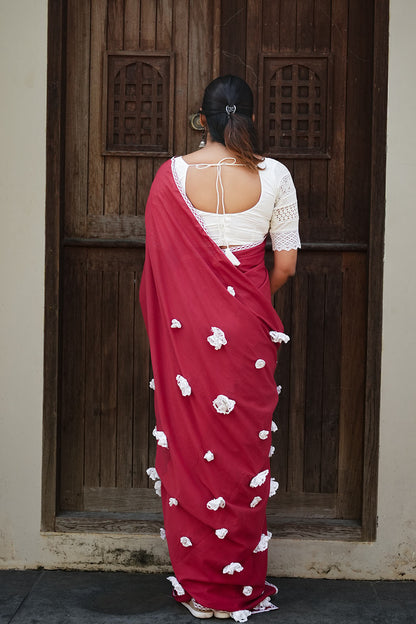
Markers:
(274, 168)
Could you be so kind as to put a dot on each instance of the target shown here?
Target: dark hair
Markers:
(228, 107)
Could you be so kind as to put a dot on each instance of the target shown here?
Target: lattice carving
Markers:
(295, 106)
(138, 103)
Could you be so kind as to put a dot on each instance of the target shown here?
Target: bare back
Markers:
(242, 187)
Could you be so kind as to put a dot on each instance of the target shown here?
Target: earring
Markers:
(203, 140)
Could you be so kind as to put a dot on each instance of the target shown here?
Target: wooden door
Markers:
(135, 71)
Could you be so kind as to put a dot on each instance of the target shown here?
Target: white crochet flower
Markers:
(223, 404)
(175, 324)
(232, 567)
(247, 590)
(215, 503)
(221, 533)
(183, 384)
(217, 339)
(279, 337)
(209, 456)
(263, 543)
(163, 533)
(173, 502)
(240, 616)
(255, 501)
(158, 488)
(272, 451)
(152, 473)
(279, 389)
(152, 384)
(259, 479)
(263, 605)
(274, 486)
(160, 437)
(274, 426)
(263, 434)
(231, 290)
(260, 363)
(176, 585)
(186, 542)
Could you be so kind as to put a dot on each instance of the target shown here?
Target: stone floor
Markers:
(72, 597)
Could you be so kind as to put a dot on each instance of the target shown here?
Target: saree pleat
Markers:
(213, 358)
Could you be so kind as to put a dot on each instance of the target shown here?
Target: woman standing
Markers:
(214, 335)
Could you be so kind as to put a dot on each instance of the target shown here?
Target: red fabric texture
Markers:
(186, 277)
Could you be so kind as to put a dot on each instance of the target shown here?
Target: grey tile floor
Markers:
(72, 597)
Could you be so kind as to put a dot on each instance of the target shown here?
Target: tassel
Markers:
(231, 257)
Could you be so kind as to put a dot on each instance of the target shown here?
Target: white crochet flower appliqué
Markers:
(152, 473)
(186, 542)
(152, 384)
(274, 486)
(176, 585)
(231, 290)
(158, 488)
(272, 451)
(221, 533)
(255, 501)
(218, 339)
(263, 434)
(173, 502)
(175, 324)
(263, 543)
(223, 404)
(216, 503)
(240, 616)
(279, 337)
(259, 479)
(279, 389)
(183, 384)
(160, 437)
(274, 426)
(209, 456)
(260, 363)
(232, 567)
(163, 533)
(247, 590)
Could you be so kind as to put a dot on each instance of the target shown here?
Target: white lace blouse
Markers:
(275, 212)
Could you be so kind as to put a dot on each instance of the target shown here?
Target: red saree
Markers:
(213, 337)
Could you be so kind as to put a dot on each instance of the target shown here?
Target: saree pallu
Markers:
(214, 336)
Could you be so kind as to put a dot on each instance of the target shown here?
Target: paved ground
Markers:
(71, 597)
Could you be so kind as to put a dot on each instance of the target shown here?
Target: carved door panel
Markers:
(135, 72)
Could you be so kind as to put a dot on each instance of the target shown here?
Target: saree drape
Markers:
(214, 336)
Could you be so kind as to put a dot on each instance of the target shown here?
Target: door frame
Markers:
(55, 161)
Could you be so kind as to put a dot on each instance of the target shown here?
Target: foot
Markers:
(222, 615)
(197, 610)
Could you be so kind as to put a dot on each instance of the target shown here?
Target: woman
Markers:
(214, 335)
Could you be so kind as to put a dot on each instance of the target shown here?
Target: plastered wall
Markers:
(22, 203)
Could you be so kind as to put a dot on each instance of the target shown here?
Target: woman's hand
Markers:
(284, 267)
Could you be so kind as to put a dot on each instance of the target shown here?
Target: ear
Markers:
(203, 119)
(253, 118)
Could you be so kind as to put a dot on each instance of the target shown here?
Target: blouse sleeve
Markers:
(284, 223)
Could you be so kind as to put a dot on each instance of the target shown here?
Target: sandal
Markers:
(221, 615)
(197, 610)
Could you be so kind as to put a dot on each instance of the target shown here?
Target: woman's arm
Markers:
(284, 267)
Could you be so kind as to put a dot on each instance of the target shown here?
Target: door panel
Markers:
(135, 72)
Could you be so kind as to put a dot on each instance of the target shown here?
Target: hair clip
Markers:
(230, 109)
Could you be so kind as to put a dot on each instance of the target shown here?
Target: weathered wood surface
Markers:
(328, 412)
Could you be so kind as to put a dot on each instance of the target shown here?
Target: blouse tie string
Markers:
(219, 187)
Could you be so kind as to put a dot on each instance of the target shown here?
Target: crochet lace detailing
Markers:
(286, 186)
(285, 241)
(286, 213)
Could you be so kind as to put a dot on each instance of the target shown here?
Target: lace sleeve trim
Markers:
(286, 213)
(285, 241)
